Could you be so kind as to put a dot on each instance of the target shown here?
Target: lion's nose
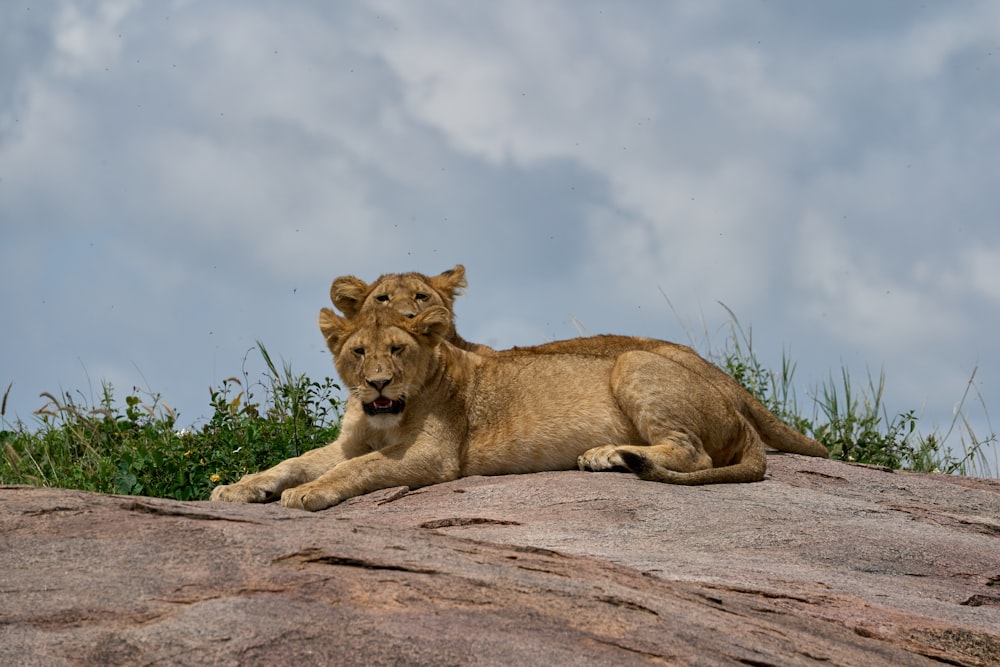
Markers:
(378, 384)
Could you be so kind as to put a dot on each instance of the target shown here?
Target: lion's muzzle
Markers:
(384, 406)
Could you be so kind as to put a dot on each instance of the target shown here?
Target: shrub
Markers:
(138, 450)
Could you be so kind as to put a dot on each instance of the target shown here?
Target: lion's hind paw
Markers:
(607, 458)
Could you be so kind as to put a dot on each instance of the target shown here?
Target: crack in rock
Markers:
(466, 521)
(310, 556)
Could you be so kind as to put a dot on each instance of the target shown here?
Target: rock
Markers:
(821, 563)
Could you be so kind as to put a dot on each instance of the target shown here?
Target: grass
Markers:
(852, 419)
(136, 448)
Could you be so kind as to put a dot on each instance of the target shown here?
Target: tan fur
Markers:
(408, 293)
(662, 414)
(774, 432)
(401, 291)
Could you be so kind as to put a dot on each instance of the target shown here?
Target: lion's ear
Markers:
(334, 328)
(450, 283)
(348, 295)
(435, 322)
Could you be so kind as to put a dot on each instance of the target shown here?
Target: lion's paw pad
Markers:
(602, 459)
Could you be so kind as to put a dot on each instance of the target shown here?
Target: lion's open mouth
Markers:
(384, 406)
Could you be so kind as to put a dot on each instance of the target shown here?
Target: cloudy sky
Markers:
(179, 179)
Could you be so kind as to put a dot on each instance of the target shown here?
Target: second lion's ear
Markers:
(348, 295)
(434, 323)
(450, 283)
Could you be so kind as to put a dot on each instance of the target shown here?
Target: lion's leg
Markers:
(750, 468)
(416, 465)
(673, 451)
(656, 395)
(695, 435)
(266, 486)
(659, 463)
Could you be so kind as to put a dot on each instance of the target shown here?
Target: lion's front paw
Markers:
(308, 497)
(245, 491)
(602, 459)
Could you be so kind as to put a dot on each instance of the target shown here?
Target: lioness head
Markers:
(408, 293)
(383, 356)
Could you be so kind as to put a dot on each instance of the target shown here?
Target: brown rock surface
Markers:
(821, 563)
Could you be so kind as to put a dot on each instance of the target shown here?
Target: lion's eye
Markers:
(382, 298)
(420, 296)
(360, 351)
(396, 349)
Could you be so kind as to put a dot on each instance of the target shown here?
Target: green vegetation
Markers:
(139, 451)
(853, 422)
(136, 449)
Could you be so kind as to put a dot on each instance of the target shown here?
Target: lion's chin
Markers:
(384, 406)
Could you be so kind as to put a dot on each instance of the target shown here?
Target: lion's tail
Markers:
(779, 435)
(750, 468)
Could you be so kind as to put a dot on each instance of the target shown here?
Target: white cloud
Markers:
(41, 147)
(930, 45)
(714, 236)
(285, 218)
(981, 270)
(847, 292)
(743, 87)
(87, 41)
(695, 204)
(522, 81)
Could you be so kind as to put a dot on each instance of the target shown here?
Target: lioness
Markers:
(411, 293)
(422, 411)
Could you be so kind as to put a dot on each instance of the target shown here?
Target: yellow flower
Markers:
(214, 478)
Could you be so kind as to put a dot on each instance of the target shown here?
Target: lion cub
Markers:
(411, 293)
(422, 411)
